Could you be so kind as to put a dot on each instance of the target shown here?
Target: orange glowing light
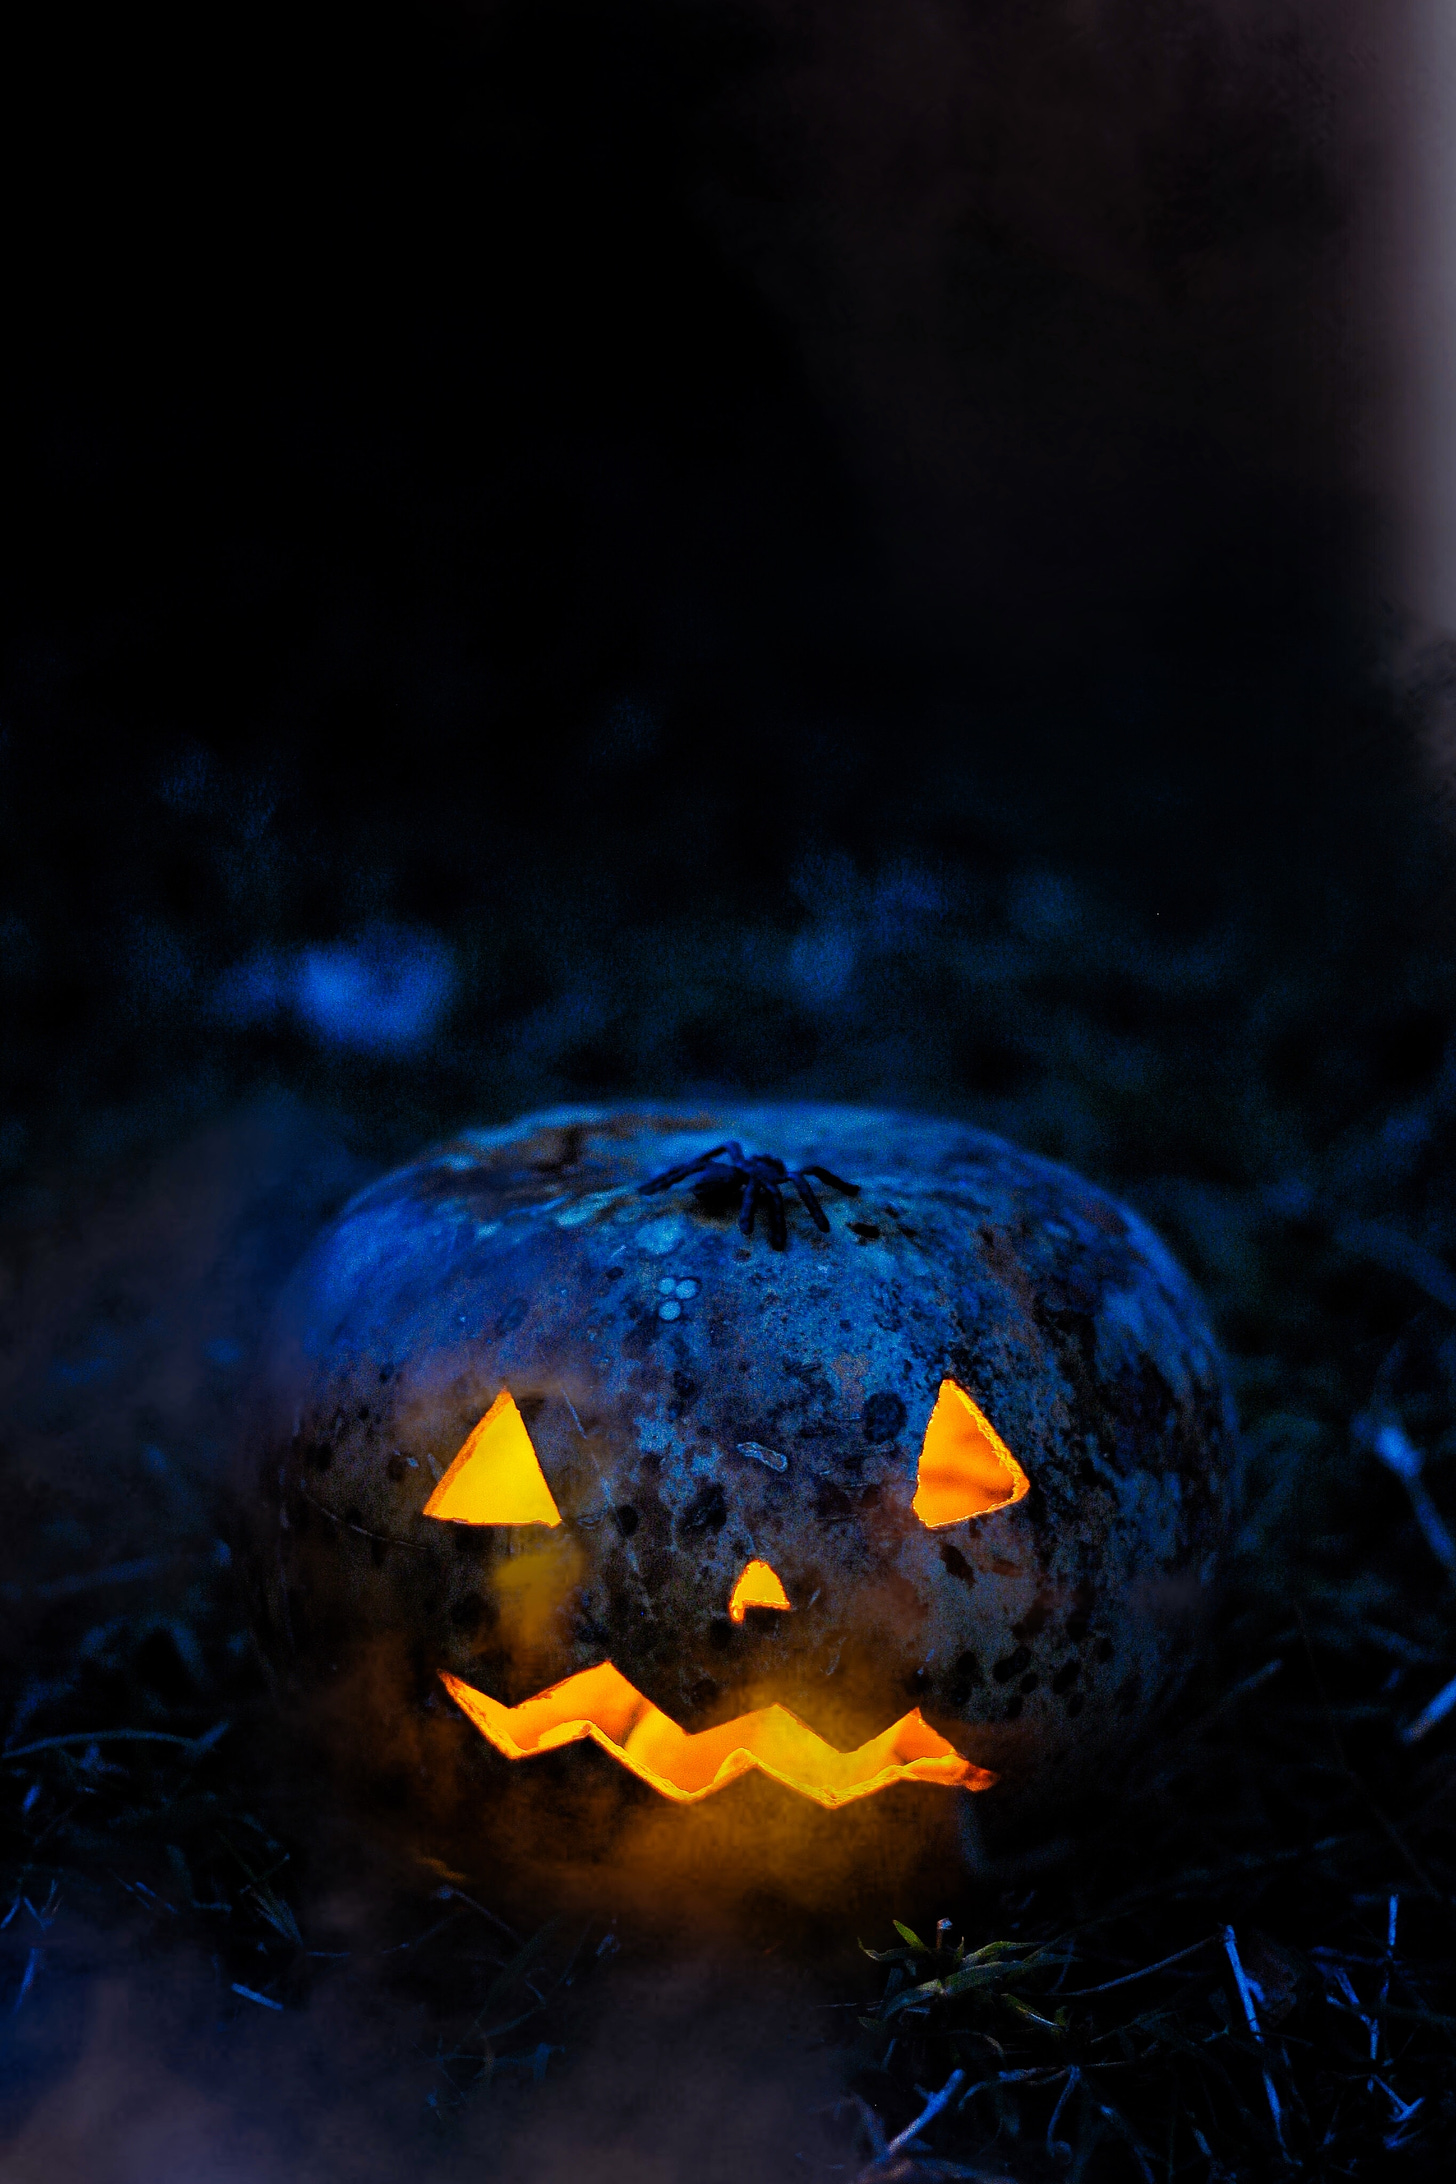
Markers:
(759, 1586)
(966, 1469)
(601, 1704)
(496, 1478)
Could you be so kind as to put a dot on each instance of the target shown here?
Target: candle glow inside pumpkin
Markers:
(965, 1471)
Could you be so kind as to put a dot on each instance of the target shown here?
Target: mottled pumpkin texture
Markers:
(699, 1401)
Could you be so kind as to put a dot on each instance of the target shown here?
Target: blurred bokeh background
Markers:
(573, 549)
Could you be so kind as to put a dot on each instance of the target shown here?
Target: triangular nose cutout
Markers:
(758, 1586)
(496, 1478)
(966, 1469)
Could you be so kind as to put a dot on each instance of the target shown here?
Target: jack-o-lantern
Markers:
(879, 1453)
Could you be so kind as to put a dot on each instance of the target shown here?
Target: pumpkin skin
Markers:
(698, 1402)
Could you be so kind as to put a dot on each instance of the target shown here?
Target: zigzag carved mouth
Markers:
(601, 1704)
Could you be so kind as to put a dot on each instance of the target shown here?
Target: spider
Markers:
(759, 1176)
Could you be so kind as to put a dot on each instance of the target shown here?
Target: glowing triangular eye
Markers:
(496, 1478)
(966, 1469)
(759, 1586)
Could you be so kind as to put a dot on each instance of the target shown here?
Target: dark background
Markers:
(717, 513)
(570, 550)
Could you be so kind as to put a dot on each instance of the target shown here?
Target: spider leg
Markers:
(778, 1227)
(680, 1174)
(837, 1182)
(749, 1206)
(734, 1151)
(812, 1206)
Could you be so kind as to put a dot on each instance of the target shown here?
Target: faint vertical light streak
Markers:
(1424, 304)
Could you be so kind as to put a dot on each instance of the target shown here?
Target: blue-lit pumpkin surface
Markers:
(926, 1499)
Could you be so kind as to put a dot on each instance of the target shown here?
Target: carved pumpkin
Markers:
(924, 1498)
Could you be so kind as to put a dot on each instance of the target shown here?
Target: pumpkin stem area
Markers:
(966, 1469)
